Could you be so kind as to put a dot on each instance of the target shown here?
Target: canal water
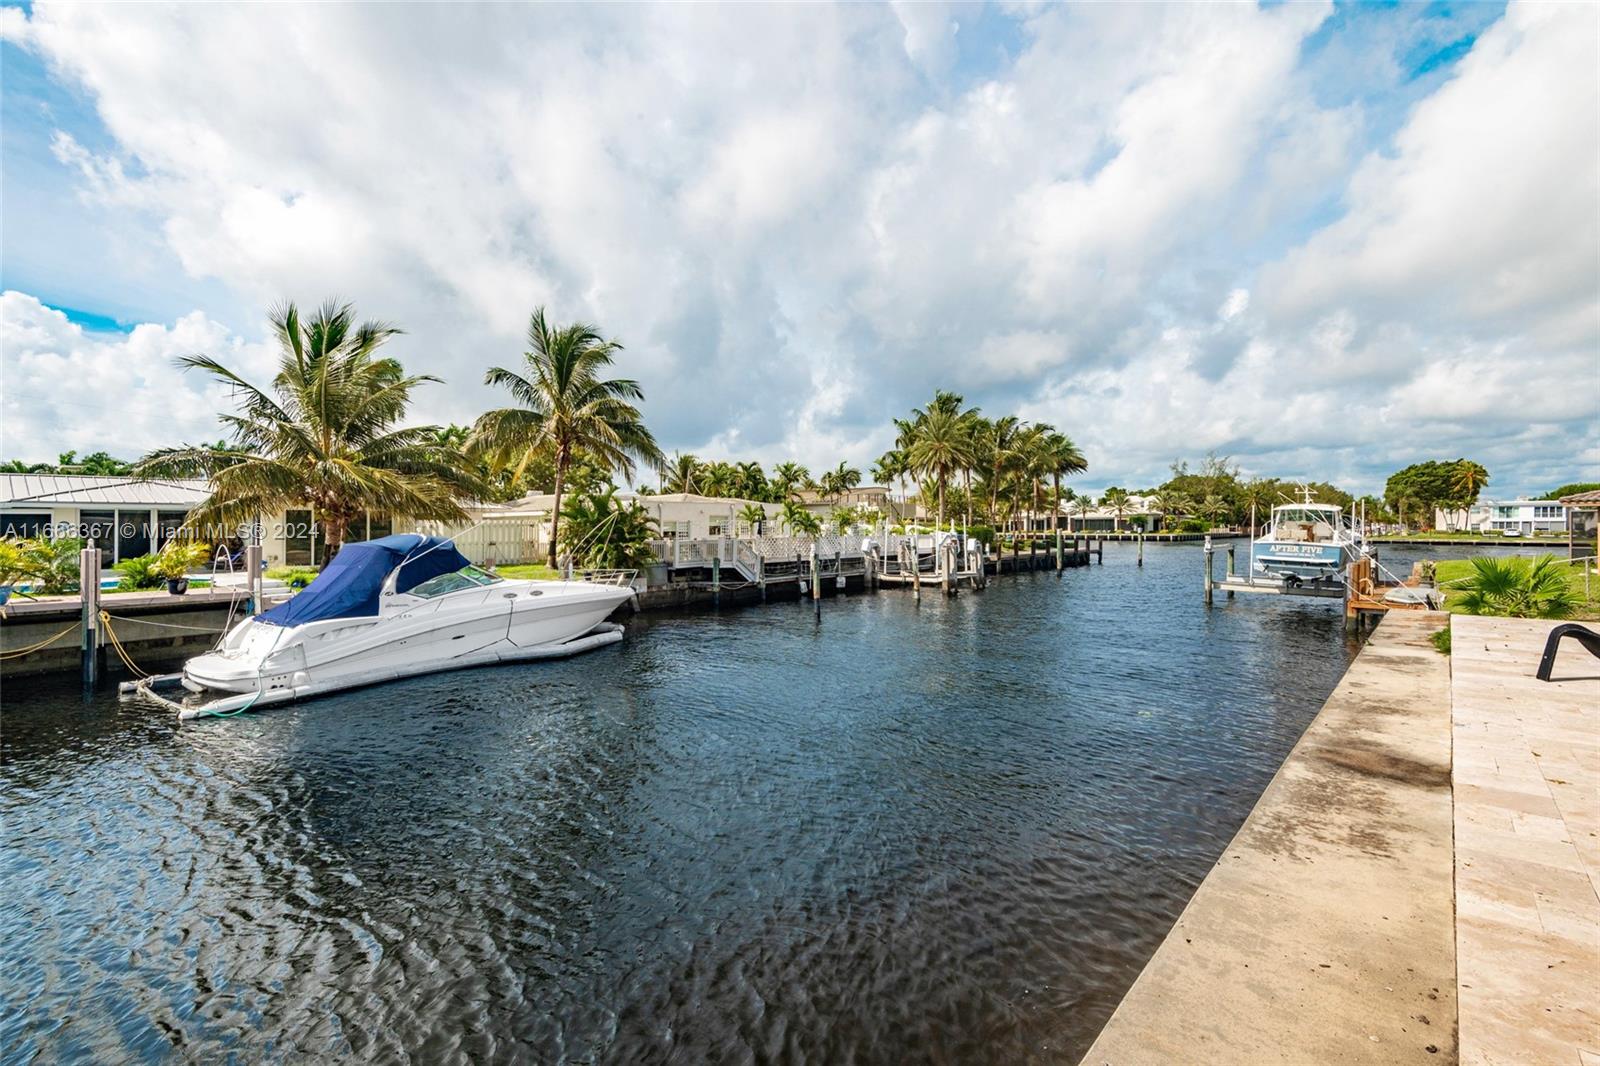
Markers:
(887, 832)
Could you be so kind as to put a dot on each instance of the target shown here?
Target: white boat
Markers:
(392, 608)
(1306, 543)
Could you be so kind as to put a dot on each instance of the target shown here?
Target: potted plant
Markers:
(174, 563)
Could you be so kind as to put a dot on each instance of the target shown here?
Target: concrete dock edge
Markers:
(1326, 931)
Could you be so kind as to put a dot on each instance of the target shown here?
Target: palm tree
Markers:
(565, 405)
(1061, 458)
(1513, 588)
(1259, 495)
(1212, 508)
(1468, 481)
(325, 434)
(753, 515)
(1168, 502)
(1082, 505)
(800, 521)
(1116, 501)
(681, 475)
(787, 478)
(997, 441)
(840, 480)
(752, 481)
(718, 479)
(940, 447)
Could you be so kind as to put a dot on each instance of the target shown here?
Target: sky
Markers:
(1327, 241)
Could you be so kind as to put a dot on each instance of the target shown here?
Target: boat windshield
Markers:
(1304, 524)
(466, 578)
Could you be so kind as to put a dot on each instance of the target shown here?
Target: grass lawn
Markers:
(529, 572)
(1450, 572)
(1541, 538)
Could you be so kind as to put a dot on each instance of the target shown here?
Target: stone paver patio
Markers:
(1526, 780)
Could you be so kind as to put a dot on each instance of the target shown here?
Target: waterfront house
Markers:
(1524, 517)
(129, 516)
(678, 515)
(1460, 519)
(124, 516)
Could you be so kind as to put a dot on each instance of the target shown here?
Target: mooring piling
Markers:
(1230, 570)
(1141, 547)
(89, 595)
(1210, 581)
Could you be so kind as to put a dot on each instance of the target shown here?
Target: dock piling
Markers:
(89, 595)
(252, 565)
(1141, 547)
(716, 581)
(1230, 569)
(816, 574)
(1209, 552)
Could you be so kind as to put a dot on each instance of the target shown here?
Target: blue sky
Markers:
(1325, 240)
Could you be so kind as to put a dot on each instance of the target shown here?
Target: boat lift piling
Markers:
(1230, 569)
(94, 651)
(1210, 581)
(1141, 547)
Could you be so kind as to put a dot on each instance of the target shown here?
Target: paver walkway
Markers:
(1527, 846)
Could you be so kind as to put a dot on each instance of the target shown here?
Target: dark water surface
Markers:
(952, 832)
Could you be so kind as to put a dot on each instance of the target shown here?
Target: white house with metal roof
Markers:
(126, 516)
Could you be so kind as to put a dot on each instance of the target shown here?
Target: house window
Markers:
(25, 524)
(167, 525)
(299, 534)
(100, 527)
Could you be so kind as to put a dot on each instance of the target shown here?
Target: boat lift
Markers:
(1361, 588)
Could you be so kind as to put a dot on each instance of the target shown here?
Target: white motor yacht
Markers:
(1307, 542)
(391, 608)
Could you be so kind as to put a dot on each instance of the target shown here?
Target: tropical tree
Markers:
(753, 515)
(787, 479)
(940, 446)
(325, 434)
(1259, 496)
(1212, 508)
(1061, 458)
(718, 479)
(801, 522)
(1081, 507)
(996, 444)
(1116, 501)
(1511, 587)
(565, 405)
(604, 533)
(681, 474)
(840, 480)
(750, 481)
(1168, 502)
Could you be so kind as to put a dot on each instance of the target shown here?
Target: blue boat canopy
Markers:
(349, 586)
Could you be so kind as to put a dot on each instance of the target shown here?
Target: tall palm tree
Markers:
(681, 474)
(753, 515)
(998, 444)
(1213, 507)
(1082, 506)
(325, 434)
(752, 480)
(1115, 500)
(565, 405)
(718, 478)
(787, 478)
(1061, 458)
(1468, 481)
(939, 447)
(841, 479)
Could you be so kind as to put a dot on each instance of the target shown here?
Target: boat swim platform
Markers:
(1417, 884)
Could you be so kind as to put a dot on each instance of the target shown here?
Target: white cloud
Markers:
(800, 220)
(65, 388)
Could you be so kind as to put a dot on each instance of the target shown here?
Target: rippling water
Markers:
(948, 832)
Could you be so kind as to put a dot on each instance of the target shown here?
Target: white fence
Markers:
(496, 540)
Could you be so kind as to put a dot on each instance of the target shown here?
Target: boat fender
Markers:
(300, 679)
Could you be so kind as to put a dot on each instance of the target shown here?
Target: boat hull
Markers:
(497, 625)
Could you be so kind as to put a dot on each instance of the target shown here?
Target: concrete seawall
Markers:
(1326, 932)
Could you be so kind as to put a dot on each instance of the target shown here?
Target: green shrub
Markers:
(1194, 525)
(1512, 588)
(48, 567)
(138, 572)
(1441, 641)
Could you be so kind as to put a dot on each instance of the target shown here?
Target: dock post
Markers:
(1209, 551)
(816, 574)
(89, 595)
(1230, 569)
(838, 571)
(252, 565)
(1141, 547)
(716, 581)
(946, 564)
(916, 568)
(1100, 553)
(1058, 545)
(761, 576)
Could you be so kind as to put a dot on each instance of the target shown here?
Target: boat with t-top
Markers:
(1306, 543)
